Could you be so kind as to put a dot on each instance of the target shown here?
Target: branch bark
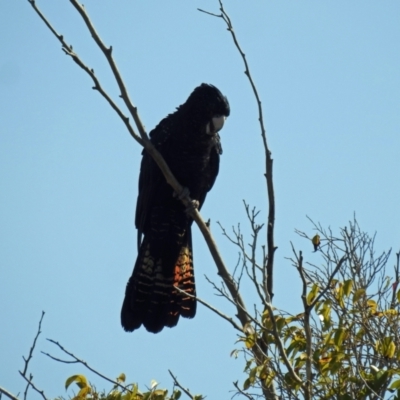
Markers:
(84, 363)
(8, 394)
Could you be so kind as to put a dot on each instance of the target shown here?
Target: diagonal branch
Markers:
(210, 307)
(177, 384)
(84, 363)
(34, 387)
(108, 54)
(68, 50)
(8, 394)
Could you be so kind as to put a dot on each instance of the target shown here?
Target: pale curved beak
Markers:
(215, 125)
(218, 122)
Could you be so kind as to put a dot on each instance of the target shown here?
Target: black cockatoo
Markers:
(189, 141)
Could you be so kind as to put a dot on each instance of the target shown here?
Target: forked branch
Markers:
(24, 373)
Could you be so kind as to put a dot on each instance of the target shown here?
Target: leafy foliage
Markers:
(345, 343)
(121, 392)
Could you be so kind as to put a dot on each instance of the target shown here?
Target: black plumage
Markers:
(189, 141)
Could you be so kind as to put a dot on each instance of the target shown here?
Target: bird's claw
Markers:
(193, 205)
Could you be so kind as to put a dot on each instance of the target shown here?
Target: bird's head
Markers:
(210, 105)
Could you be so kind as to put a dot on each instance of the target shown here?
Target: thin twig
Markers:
(84, 363)
(59, 359)
(30, 383)
(68, 50)
(256, 229)
(223, 293)
(176, 383)
(27, 360)
(268, 159)
(396, 280)
(215, 310)
(269, 392)
(33, 345)
(328, 284)
(242, 392)
(108, 54)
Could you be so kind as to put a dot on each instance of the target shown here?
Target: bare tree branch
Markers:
(84, 363)
(30, 355)
(108, 54)
(177, 384)
(8, 394)
(210, 307)
(396, 280)
(28, 359)
(68, 49)
(269, 392)
(268, 162)
(242, 392)
(30, 383)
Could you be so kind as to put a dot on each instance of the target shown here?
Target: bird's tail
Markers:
(154, 295)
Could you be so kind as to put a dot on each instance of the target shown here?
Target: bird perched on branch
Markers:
(316, 241)
(189, 142)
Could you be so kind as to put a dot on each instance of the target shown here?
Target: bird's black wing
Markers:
(153, 187)
(210, 175)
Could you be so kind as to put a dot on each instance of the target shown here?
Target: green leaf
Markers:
(372, 305)
(339, 295)
(250, 340)
(83, 392)
(391, 350)
(160, 394)
(312, 294)
(121, 378)
(280, 323)
(360, 334)
(386, 347)
(348, 285)
(381, 378)
(269, 379)
(235, 353)
(135, 389)
(79, 379)
(248, 364)
(176, 395)
(395, 384)
(358, 294)
(340, 334)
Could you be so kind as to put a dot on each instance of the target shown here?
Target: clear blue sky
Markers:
(328, 73)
